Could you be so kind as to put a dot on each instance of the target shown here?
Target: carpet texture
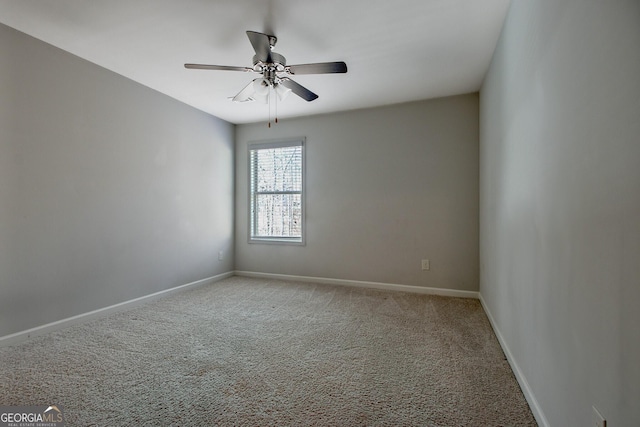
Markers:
(248, 352)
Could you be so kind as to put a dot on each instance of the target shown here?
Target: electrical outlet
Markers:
(425, 264)
(220, 255)
(598, 419)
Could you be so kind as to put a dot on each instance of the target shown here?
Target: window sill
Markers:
(276, 241)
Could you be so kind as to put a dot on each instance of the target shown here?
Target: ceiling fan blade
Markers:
(298, 89)
(261, 45)
(245, 94)
(216, 67)
(319, 68)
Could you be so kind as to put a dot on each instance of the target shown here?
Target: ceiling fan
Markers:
(272, 66)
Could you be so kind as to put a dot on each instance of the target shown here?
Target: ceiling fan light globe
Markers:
(282, 92)
(261, 86)
(261, 98)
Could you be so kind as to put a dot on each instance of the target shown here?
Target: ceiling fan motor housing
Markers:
(276, 59)
(269, 69)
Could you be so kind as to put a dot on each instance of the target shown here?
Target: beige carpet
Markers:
(249, 352)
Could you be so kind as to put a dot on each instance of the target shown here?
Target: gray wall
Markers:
(108, 190)
(560, 204)
(386, 187)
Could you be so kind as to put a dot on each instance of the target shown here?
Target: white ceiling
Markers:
(396, 51)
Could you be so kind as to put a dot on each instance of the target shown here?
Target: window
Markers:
(276, 192)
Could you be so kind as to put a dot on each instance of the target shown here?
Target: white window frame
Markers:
(281, 143)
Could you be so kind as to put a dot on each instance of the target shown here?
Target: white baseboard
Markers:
(524, 384)
(84, 317)
(361, 284)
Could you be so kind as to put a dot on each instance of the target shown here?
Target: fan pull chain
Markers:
(269, 102)
(275, 104)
